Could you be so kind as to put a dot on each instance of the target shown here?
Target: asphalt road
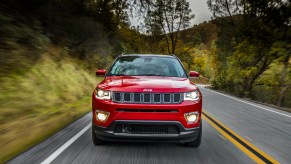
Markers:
(265, 128)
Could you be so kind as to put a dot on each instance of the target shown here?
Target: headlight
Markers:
(193, 96)
(101, 94)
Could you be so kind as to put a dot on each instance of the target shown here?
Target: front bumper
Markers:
(116, 114)
(109, 133)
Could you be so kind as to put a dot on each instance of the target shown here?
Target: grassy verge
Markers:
(23, 134)
(34, 105)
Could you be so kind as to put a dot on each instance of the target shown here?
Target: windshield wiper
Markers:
(136, 75)
(149, 75)
(118, 75)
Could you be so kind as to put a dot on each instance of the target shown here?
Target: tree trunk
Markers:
(173, 47)
(283, 82)
(282, 95)
(247, 89)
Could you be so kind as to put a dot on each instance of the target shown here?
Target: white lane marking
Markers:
(249, 103)
(65, 146)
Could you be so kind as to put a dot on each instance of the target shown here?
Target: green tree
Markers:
(169, 16)
(283, 49)
(249, 29)
(245, 66)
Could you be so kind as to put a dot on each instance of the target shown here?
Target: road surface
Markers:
(234, 131)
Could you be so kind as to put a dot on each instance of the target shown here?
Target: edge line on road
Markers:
(253, 152)
(55, 154)
(234, 98)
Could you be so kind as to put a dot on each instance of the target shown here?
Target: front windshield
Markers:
(147, 66)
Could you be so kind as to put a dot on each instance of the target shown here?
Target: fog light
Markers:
(191, 117)
(102, 116)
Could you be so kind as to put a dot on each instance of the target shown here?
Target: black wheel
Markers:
(196, 143)
(96, 140)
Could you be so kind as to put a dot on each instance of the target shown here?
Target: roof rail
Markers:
(122, 54)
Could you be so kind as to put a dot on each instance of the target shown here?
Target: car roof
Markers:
(149, 55)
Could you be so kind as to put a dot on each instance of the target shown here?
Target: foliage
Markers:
(203, 33)
(51, 93)
(167, 18)
(252, 35)
(20, 44)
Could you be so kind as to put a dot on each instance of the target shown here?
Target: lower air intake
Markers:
(146, 129)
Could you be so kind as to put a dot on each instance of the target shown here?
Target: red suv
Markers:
(147, 98)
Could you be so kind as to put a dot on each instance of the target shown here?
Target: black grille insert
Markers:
(177, 98)
(146, 129)
(137, 97)
(167, 98)
(127, 97)
(157, 98)
(147, 98)
(117, 96)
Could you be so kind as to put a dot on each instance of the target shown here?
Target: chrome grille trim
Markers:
(142, 97)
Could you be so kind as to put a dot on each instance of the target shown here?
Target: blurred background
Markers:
(49, 51)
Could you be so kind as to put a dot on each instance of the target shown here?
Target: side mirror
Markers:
(193, 74)
(100, 72)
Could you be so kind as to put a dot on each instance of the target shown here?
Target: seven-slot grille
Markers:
(147, 98)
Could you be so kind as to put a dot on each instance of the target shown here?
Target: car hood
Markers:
(147, 84)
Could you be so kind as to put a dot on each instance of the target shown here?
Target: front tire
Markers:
(196, 143)
(96, 140)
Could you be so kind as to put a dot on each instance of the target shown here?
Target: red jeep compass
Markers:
(147, 98)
